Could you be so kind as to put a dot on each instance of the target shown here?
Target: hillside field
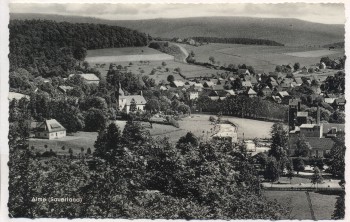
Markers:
(260, 57)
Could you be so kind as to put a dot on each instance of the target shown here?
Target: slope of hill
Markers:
(287, 31)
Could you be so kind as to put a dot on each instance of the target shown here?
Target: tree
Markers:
(152, 105)
(302, 147)
(170, 78)
(95, 120)
(272, 172)
(298, 164)
(290, 171)
(296, 66)
(337, 157)
(339, 212)
(316, 177)
(164, 63)
(108, 143)
(88, 151)
(279, 137)
(211, 59)
(133, 106)
(80, 54)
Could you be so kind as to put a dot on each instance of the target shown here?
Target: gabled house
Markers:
(126, 103)
(247, 84)
(251, 93)
(50, 129)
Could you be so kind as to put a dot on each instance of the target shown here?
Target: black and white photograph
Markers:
(212, 111)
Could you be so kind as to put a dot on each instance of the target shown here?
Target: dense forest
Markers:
(244, 41)
(50, 48)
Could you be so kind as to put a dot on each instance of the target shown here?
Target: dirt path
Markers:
(183, 50)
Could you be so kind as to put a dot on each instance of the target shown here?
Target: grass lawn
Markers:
(75, 141)
(145, 50)
(323, 205)
(260, 57)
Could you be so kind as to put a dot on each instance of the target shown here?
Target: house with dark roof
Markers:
(339, 104)
(50, 129)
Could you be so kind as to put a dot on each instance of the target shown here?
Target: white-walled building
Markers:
(50, 129)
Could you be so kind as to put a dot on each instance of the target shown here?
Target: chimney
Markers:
(318, 116)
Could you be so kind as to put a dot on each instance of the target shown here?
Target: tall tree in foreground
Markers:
(337, 157)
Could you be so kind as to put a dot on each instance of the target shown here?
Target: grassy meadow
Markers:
(261, 57)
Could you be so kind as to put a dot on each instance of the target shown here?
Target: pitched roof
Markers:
(89, 77)
(17, 96)
(302, 114)
(251, 92)
(65, 88)
(283, 93)
(246, 84)
(308, 126)
(294, 102)
(328, 126)
(139, 100)
(314, 142)
(178, 83)
(50, 125)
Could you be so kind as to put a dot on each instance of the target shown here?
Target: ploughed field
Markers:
(261, 57)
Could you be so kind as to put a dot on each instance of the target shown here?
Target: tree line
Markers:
(50, 48)
(243, 106)
(244, 41)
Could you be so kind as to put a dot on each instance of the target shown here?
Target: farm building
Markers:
(90, 78)
(194, 95)
(50, 129)
(127, 102)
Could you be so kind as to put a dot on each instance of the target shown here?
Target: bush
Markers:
(212, 119)
(172, 121)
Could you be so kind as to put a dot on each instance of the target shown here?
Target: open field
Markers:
(251, 128)
(260, 57)
(145, 50)
(323, 205)
(128, 54)
(75, 141)
(161, 73)
(313, 53)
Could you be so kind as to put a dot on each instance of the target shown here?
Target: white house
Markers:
(125, 102)
(50, 129)
(194, 95)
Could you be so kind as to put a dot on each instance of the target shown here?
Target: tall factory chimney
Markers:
(318, 120)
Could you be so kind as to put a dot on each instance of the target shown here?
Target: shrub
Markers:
(212, 119)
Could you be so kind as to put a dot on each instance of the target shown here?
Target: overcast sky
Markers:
(322, 13)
